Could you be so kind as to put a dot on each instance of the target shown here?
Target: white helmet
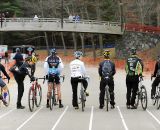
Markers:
(78, 54)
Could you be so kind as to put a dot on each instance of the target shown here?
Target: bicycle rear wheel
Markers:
(158, 100)
(52, 100)
(31, 99)
(107, 98)
(144, 97)
(6, 97)
(38, 95)
(82, 99)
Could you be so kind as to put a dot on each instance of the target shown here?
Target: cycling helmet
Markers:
(133, 51)
(53, 51)
(17, 50)
(106, 53)
(78, 54)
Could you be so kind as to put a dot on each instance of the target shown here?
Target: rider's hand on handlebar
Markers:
(47, 77)
(32, 78)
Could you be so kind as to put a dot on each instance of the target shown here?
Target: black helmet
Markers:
(78, 54)
(106, 53)
(53, 51)
(133, 51)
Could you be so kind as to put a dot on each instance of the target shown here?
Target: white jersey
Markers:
(77, 68)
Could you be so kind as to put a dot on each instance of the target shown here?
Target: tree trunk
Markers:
(101, 43)
(93, 47)
(82, 41)
(46, 39)
(64, 45)
(74, 41)
(53, 42)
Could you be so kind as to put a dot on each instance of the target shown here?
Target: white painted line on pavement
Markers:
(123, 121)
(153, 117)
(59, 119)
(91, 119)
(29, 118)
(5, 114)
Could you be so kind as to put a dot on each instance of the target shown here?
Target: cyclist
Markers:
(106, 68)
(34, 59)
(20, 73)
(3, 85)
(134, 69)
(53, 66)
(157, 79)
(77, 71)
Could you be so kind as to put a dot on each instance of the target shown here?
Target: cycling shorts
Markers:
(55, 79)
(2, 83)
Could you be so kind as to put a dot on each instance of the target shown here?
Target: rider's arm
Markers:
(83, 69)
(2, 68)
(155, 69)
(139, 68)
(100, 70)
(61, 65)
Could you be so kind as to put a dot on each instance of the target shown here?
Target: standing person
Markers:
(106, 68)
(33, 66)
(53, 67)
(157, 79)
(18, 57)
(134, 69)
(70, 18)
(20, 73)
(6, 57)
(3, 85)
(77, 71)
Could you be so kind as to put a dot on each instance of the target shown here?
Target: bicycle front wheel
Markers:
(6, 97)
(144, 97)
(38, 95)
(52, 99)
(83, 100)
(31, 99)
(158, 100)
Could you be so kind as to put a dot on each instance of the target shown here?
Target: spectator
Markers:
(35, 18)
(6, 56)
(70, 18)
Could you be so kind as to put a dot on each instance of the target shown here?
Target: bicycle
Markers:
(5, 95)
(35, 94)
(53, 99)
(156, 99)
(141, 95)
(82, 93)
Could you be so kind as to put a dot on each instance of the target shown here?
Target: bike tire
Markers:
(158, 100)
(52, 99)
(31, 99)
(38, 97)
(6, 97)
(144, 99)
(82, 100)
(107, 98)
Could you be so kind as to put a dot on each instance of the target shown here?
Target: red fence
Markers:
(142, 28)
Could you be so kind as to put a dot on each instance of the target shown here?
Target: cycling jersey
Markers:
(134, 66)
(106, 68)
(53, 65)
(77, 68)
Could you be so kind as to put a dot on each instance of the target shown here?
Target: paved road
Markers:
(68, 118)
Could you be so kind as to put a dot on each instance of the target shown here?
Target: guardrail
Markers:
(54, 24)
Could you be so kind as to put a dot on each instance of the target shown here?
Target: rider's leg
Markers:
(154, 84)
(50, 85)
(102, 93)
(129, 88)
(85, 85)
(74, 83)
(111, 91)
